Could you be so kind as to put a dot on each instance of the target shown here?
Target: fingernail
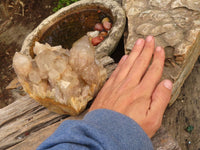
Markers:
(158, 49)
(149, 38)
(168, 84)
(139, 41)
(124, 57)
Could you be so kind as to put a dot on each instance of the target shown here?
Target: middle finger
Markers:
(141, 63)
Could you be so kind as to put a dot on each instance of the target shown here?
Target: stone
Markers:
(159, 3)
(176, 27)
(70, 80)
(68, 92)
(119, 1)
(34, 76)
(13, 84)
(190, 4)
(81, 54)
(22, 64)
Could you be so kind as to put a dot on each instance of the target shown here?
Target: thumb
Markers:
(161, 97)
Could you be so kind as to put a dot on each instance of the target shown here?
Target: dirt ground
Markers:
(16, 22)
(19, 21)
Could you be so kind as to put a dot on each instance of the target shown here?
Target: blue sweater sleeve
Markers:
(100, 129)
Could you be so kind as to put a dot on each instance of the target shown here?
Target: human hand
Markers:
(134, 88)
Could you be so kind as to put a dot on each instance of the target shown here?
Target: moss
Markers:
(63, 3)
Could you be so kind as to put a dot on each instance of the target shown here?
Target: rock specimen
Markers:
(101, 31)
(62, 80)
(175, 24)
(63, 28)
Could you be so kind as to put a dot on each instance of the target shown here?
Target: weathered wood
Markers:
(164, 141)
(36, 138)
(186, 112)
(32, 143)
(21, 118)
(25, 124)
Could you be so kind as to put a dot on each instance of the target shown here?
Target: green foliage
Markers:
(190, 128)
(63, 3)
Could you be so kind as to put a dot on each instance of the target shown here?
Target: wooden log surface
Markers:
(186, 112)
(25, 124)
(26, 121)
(22, 118)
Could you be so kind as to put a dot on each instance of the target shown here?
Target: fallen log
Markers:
(25, 124)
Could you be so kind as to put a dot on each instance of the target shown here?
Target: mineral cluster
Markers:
(62, 80)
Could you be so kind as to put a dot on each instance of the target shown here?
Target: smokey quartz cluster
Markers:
(62, 80)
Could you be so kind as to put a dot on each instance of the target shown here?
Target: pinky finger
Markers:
(161, 97)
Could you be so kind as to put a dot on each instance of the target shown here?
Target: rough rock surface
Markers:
(175, 24)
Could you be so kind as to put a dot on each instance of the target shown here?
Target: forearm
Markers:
(100, 129)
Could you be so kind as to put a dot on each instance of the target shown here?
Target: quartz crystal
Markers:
(70, 78)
